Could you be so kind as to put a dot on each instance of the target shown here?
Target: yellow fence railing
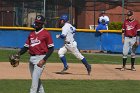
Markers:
(58, 29)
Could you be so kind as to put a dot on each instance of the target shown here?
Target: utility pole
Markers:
(122, 10)
(94, 12)
(44, 8)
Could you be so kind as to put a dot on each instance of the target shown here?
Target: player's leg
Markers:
(31, 68)
(61, 54)
(125, 52)
(36, 73)
(40, 87)
(133, 50)
(83, 60)
(35, 78)
(73, 48)
(132, 64)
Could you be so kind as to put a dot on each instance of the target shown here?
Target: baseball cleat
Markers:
(65, 69)
(133, 69)
(89, 69)
(123, 69)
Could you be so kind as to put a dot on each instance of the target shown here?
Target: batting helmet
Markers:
(40, 19)
(64, 17)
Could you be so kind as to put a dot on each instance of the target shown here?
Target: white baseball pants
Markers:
(72, 47)
(128, 43)
(36, 86)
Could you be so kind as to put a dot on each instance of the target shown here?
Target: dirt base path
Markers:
(76, 71)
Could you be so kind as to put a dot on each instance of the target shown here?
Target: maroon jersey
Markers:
(38, 42)
(130, 27)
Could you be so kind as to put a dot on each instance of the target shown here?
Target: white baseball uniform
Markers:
(70, 44)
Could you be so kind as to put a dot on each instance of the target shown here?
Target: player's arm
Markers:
(43, 61)
(123, 30)
(138, 33)
(50, 51)
(138, 36)
(23, 50)
(63, 34)
(14, 59)
(60, 36)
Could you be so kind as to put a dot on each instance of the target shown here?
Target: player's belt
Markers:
(33, 54)
(36, 54)
(130, 36)
(66, 42)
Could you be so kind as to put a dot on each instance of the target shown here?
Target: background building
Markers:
(82, 12)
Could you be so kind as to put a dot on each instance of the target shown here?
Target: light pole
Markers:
(44, 8)
(122, 10)
(94, 12)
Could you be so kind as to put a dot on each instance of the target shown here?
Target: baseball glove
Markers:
(14, 60)
(135, 45)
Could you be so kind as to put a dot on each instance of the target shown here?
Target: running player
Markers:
(68, 32)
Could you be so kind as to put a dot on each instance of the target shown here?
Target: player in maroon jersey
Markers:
(40, 46)
(130, 31)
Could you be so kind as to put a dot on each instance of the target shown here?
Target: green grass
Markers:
(73, 86)
(54, 58)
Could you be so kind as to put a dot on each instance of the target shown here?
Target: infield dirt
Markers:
(75, 72)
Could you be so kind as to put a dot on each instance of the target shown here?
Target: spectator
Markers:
(103, 22)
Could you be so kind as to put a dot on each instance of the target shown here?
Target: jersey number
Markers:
(73, 30)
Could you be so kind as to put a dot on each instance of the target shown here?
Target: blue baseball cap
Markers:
(64, 17)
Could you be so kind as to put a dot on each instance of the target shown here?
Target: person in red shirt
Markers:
(40, 46)
(130, 30)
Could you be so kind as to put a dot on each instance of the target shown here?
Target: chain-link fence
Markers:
(23, 12)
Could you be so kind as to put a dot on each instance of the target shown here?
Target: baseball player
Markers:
(68, 32)
(130, 38)
(40, 46)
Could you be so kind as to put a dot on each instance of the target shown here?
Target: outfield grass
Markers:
(73, 86)
(91, 58)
